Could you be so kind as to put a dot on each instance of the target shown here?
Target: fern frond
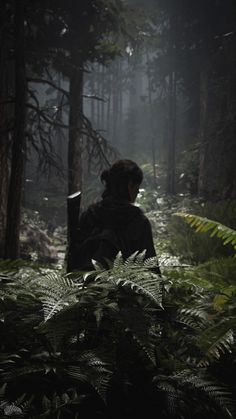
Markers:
(60, 403)
(216, 341)
(203, 224)
(186, 388)
(147, 348)
(92, 370)
(136, 274)
(57, 292)
(195, 318)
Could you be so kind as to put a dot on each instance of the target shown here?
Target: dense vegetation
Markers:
(83, 82)
(120, 342)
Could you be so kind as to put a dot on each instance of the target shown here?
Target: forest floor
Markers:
(49, 247)
(161, 217)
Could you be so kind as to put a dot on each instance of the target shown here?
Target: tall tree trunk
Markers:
(151, 132)
(12, 245)
(103, 98)
(202, 130)
(75, 169)
(217, 171)
(92, 92)
(231, 113)
(98, 93)
(171, 133)
(172, 108)
(109, 95)
(6, 115)
(115, 104)
(171, 128)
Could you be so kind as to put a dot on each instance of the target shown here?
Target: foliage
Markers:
(114, 343)
(218, 337)
(201, 224)
(194, 247)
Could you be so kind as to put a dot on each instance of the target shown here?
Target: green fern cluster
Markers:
(112, 343)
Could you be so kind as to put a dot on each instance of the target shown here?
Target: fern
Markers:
(135, 273)
(92, 370)
(184, 389)
(203, 224)
(56, 292)
(83, 340)
(215, 341)
(196, 318)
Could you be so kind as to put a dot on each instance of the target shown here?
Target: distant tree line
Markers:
(186, 52)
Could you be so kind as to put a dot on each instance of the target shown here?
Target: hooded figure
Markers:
(114, 224)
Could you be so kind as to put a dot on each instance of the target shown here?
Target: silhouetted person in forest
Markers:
(114, 224)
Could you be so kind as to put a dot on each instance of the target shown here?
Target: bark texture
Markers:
(75, 130)
(18, 144)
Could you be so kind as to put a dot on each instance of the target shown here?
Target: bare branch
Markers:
(50, 83)
(95, 97)
(45, 117)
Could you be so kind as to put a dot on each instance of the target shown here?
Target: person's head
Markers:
(122, 180)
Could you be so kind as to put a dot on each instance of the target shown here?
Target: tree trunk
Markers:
(6, 116)
(115, 104)
(98, 93)
(151, 128)
(203, 131)
(75, 126)
(172, 108)
(92, 92)
(12, 245)
(109, 95)
(217, 171)
(171, 133)
(103, 98)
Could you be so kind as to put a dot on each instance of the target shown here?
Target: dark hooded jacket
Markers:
(110, 226)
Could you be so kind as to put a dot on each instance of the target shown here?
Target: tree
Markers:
(200, 75)
(6, 113)
(68, 36)
(18, 140)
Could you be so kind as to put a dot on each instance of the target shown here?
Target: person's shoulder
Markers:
(141, 217)
(140, 212)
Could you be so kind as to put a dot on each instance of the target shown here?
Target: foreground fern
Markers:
(136, 273)
(115, 344)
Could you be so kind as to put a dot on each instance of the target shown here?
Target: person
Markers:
(114, 223)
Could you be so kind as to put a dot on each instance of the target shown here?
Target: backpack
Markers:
(101, 246)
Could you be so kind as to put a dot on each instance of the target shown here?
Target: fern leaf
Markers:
(219, 342)
(195, 318)
(92, 370)
(203, 224)
(136, 274)
(179, 386)
(56, 293)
